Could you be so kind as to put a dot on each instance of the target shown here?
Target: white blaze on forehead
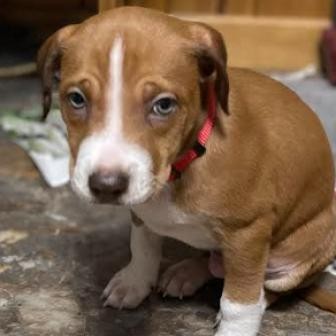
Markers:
(114, 96)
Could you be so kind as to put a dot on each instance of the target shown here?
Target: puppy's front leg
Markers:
(130, 286)
(245, 253)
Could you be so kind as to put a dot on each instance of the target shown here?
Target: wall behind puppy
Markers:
(261, 34)
(301, 8)
(46, 12)
(45, 16)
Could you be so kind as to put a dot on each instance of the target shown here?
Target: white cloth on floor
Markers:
(45, 142)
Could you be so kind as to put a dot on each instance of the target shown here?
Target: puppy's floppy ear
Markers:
(49, 61)
(210, 52)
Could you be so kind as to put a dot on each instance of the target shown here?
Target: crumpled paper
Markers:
(45, 142)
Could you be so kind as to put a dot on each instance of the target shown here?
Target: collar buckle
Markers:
(199, 149)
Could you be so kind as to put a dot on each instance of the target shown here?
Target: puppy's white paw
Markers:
(237, 319)
(185, 278)
(127, 289)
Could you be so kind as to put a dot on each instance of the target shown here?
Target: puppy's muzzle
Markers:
(108, 187)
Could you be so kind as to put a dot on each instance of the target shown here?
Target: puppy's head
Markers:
(131, 85)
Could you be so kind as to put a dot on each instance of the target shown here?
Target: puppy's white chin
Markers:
(130, 200)
(83, 193)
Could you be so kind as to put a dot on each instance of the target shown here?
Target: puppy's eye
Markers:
(164, 106)
(76, 99)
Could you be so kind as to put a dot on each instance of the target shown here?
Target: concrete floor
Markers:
(57, 254)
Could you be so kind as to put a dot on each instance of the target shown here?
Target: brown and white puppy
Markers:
(133, 95)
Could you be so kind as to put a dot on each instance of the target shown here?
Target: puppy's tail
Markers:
(319, 297)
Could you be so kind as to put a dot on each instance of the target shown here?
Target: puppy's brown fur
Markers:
(267, 176)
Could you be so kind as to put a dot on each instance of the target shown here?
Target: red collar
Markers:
(203, 135)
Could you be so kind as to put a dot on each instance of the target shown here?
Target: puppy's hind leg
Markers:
(185, 278)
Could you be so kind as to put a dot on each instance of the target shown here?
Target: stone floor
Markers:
(56, 255)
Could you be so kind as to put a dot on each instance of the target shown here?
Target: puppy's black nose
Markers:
(108, 186)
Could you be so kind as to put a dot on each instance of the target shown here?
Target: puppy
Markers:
(223, 159)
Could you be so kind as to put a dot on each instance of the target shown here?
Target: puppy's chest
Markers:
(165, 218)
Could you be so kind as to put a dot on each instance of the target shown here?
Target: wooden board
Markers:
(301, 8)
(240, 7)
(109, 4)
(268, 43)
(177, 6)
(195, 6)
(259, 42)
(162, 5)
